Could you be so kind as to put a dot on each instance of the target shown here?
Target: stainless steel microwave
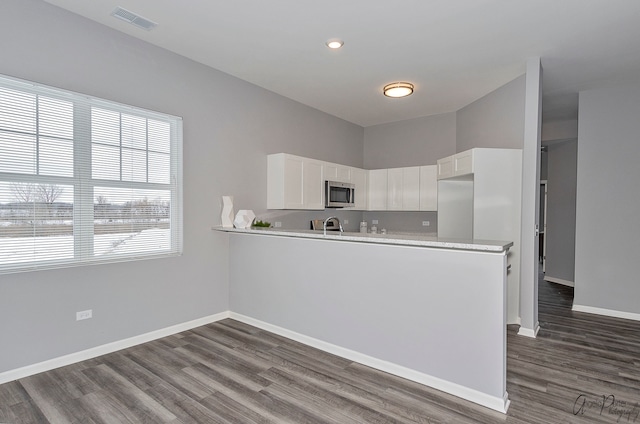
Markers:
(339, 195)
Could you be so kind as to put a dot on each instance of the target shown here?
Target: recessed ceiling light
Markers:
(334, 43)
(398, 89)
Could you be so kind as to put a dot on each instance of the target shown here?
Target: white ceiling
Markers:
(454, 51)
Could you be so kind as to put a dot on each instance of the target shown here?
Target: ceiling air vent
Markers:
(133, 19)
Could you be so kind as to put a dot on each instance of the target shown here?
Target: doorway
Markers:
(542, 225)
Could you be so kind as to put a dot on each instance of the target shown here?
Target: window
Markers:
(84, 180)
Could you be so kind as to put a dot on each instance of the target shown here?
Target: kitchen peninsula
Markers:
(429, 310)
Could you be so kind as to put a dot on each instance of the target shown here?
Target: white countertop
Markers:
(403, 239)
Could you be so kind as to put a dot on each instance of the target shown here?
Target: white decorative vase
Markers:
(244, 218)
(227, 212)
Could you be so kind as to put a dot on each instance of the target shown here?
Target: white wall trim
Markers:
(528, 310)
(528, 332)
(559, 281)
(495, 403)
(492, 402)
(607, 312)
(93, 352)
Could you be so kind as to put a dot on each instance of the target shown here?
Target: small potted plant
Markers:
(260, 224)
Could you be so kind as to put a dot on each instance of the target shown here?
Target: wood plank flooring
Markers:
(581, 369)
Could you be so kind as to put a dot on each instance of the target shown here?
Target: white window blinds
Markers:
(84, 180)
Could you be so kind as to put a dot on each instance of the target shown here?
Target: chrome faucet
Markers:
(324, 224)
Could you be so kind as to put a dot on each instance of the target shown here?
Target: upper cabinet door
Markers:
(335, 172)
(403, 189)
(394, 189)
(359, 179)
(411, 188)
(293, 177)
(463, 163)
(377, 190)
(344, 174)
(284, 182)
(456, 165)
(294, 182)
(445, 167)
(330, 171)
(312, 185)
(429, 188)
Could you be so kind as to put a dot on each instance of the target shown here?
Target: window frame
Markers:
(84, 184)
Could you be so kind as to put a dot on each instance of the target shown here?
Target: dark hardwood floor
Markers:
(581, 369)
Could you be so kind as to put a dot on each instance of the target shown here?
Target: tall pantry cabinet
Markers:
(479, 197)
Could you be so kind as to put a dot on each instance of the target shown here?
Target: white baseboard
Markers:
(559, 281)
(606, 312)
(93, 352)
(517, 321)
(500, 404)
(528, 332)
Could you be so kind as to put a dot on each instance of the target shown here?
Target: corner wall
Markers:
(495, 120)
(229, 128)
(414, 142)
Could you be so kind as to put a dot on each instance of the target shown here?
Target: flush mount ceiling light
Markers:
(334, 43)
(398, 89)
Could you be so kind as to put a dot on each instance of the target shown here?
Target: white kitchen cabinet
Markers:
(456, 165)
(394, 189)
(294, 182)
(429, 188)
(403, 189)
(335, 172)
(463, 163)
(312, 185)
(445, 167)
(359, 179)
(330, 171)
(377, 193)
(411, 188)
(344, 174)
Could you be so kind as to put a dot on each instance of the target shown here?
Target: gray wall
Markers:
(561, 210)
(403, 221)
(544, 165)
(414, 142)
(559, 130)
(229, 127)
(495, 120)
(606, 274)
(297, 220)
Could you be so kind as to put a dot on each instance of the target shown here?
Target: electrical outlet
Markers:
(346, 221)
(277, 224)
(84, 315)
(425, 223)
(374, 222)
